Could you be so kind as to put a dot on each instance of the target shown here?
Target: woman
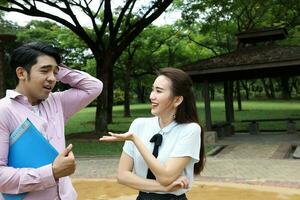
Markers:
(176, 127)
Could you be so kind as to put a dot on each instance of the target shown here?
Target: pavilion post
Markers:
(228, 97)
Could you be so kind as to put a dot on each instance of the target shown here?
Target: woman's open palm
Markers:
(115, 137)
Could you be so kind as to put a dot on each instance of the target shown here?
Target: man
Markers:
(38, 67)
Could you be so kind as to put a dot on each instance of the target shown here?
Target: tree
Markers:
(135, 60)
(220, 20)
(72, 48)
(148, 53)
(112, 32)
(7, 31)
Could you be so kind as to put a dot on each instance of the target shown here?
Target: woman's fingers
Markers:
(184, 182)
(116, 137)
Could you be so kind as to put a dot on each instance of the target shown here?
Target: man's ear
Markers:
(178, 100)
(21, 73)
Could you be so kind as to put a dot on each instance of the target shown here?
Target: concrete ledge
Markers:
(291, 127)
(282, 151)
(253, 128)
(210, 137)
(215, 150)
(296, 153)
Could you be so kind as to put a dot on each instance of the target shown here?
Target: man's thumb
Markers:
(67, 150)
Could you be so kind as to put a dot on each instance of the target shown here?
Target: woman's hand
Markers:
(180, 183)
(115, 137)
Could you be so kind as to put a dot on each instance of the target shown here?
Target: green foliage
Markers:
(220, 20)
(3, 2)
(7, 27)
(118, 96)
(245, 14)
(90, 67)
(293, 37)
(73, 50)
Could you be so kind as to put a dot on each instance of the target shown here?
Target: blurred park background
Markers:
(123, 44)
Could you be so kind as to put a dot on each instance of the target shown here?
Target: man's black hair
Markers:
(26, 55)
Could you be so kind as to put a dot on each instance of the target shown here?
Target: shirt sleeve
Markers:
(189, 143)
(19, 180)
(129, 146)
(84, 89)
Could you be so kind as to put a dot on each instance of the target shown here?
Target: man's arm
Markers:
(16, 180)
(84, 89)
(19, 180)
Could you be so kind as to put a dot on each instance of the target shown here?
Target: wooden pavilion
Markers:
(246, 62)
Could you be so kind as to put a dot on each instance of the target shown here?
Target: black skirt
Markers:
(155, 196)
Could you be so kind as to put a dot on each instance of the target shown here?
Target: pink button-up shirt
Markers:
(54, 112)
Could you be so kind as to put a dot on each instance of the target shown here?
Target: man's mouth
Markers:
(48, 88)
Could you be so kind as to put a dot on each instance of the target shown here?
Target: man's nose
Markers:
(51, 77)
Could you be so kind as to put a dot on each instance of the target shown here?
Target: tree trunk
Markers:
(171, 58)
(140, 92)
(285, 87)
(295, 83)
(238, 95)
(272, 90)
(228, 98)
(246, 88)
(2, 83)
(102, 101)
(127, 89)
(110, 93)
(212, 92)
(266, 88)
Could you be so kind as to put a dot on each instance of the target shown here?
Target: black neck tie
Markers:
(157, 139)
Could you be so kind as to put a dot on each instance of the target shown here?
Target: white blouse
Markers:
(179, 140)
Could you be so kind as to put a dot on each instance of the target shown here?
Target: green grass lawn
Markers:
(96, 148)
(83, 121)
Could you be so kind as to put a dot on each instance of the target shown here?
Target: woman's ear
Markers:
(178, 100)
(21, 73)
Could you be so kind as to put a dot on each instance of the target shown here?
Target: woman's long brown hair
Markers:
(186, 112)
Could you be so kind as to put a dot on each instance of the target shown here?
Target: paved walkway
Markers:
(252, 159)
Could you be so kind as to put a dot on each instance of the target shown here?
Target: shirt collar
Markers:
(12, 94)
(168, 128)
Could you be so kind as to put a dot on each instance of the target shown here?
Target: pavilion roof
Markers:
(267, 58)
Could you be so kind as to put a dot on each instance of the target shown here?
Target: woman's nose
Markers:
(152, 95)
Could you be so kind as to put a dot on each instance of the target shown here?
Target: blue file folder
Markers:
(28, 148)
